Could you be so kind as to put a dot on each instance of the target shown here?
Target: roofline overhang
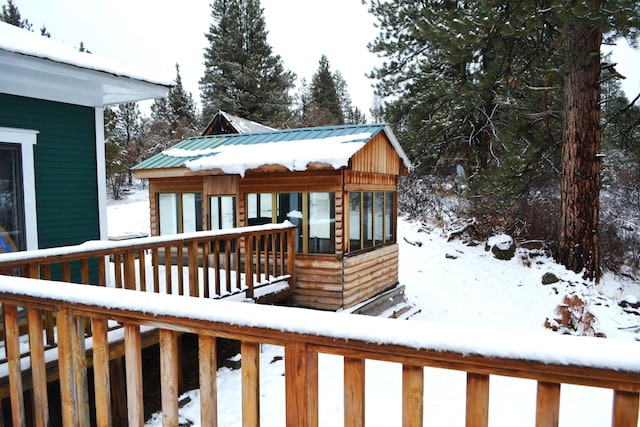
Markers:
(42, 78)
(396, 145)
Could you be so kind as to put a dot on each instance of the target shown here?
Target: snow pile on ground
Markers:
(451, 283)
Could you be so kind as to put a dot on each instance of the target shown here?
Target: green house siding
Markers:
(65, 167)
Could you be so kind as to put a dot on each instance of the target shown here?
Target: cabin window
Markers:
(222, 212)
(12, 233)
(371, 221)
(179, 212)
(312, 213)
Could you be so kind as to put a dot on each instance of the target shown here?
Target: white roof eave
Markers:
(41, 78)
(396, 145)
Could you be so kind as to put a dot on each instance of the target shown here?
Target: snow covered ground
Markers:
(450, 283)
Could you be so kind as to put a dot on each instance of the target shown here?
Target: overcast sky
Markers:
(154, 35)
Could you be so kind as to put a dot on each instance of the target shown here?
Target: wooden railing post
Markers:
(169, 376)
(133, 366)
(38, 368)
(101, 374)
(12, 343)
(192, 257)
(548, 405)
(412, 396)
(208, 382)
(68, 396)
(477, 400)
(354, 381)
(301, 385)
(250, 384)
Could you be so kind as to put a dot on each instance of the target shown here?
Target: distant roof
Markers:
(224, 122)
(294, 149)
(36, 66)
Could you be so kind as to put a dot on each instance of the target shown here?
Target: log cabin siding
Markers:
(367, 274)
(378, 156)
(318, 282)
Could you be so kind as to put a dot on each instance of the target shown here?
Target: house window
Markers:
(17, 190)
(312, 213)
(370, 219)
(12, 230)
(179, 212)
(222, 212)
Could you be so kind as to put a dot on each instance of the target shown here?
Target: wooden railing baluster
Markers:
(548, 405)
(133, 362)
(248, 265)
(477, 400)
(169, 376)
(142, 270)
(101, 374)
(66, 362)
(354, 392)
(12, 348)
(625, 408)
(180, 267)
(208, 381)
(155, 262)
(250, 384)
(38, 368)
(412, 395)
(194, 283)
(167, 270)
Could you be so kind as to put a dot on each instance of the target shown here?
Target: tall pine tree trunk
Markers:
(578, 246)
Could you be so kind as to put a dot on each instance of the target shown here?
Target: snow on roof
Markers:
(18, 40)
(295, 155)
(294, 149)
(245, 125)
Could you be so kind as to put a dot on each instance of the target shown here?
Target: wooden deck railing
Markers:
(212, 263)
(549, 359)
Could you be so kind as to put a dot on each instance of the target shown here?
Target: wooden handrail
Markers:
(547, 358)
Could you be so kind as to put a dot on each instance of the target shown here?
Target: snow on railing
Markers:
(549, 359)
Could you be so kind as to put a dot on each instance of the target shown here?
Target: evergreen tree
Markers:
(324, 91)
(11, 15)
(242, 76)
(172, 119)
(352, 115)
(487, 82)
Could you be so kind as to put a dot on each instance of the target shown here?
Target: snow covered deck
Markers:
(549, 359)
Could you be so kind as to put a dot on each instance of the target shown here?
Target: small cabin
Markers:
(337, 184)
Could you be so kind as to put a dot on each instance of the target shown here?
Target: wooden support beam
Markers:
(250, 384)
(548, 405)
(354, 382)
(208, 382)
(412, 396)
(477, 400)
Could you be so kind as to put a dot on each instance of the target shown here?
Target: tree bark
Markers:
(578, 244)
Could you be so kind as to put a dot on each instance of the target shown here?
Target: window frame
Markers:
(26, 139)
(179, 211)
(303, 227)
(368, 232)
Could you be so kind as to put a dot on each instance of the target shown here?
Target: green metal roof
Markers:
(201, 147)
